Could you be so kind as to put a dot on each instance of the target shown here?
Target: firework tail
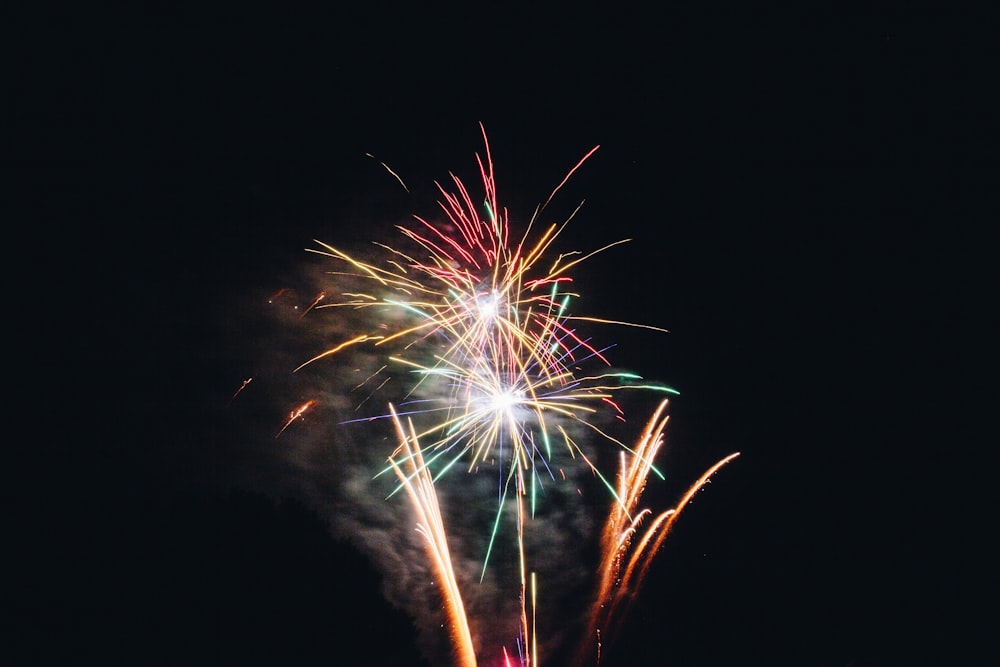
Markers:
(625, 561)
(415, 477)
(419, 485)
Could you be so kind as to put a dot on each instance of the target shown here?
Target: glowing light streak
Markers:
(353, 341)
(240, 390)
(319, 297)
(386, 167)
(624, 565)
(423, 498)
(296, 414)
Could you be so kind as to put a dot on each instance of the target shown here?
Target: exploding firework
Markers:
(494, 322)
(500, 376)
(487, 328)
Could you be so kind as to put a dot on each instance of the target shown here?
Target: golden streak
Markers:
(624, 565)
(335, 350)
(423, 498)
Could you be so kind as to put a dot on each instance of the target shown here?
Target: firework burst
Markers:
(487, 332)
(499, 375)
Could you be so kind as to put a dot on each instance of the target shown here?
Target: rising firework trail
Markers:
(423, 497)
(625, 553)
(499, 375)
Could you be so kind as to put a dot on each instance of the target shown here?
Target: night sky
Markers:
(809, 194)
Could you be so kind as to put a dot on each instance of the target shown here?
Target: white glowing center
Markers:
(505, 400)
(489, 305)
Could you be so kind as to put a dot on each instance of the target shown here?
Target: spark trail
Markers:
(416, 479)
(625, 560)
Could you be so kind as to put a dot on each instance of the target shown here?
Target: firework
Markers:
(490, 328)
(501, 375)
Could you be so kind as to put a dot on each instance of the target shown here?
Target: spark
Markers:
(296, 414)
(386, 167)
(319, 297)
(353, 341)
(242, 387)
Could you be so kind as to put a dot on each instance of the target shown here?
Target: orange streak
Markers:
(295, 414)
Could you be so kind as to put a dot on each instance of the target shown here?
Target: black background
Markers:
(810, 190)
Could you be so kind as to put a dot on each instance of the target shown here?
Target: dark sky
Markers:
(809, 192)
